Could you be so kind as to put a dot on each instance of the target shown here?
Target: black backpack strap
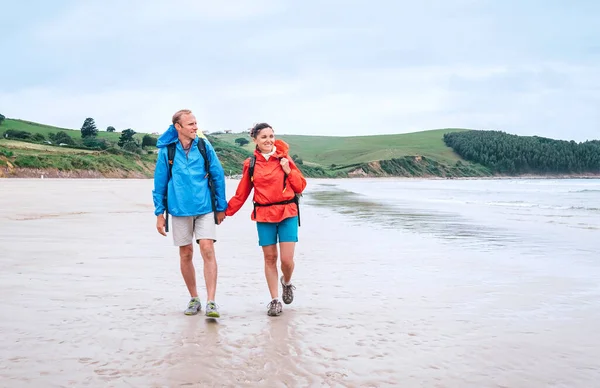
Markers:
(202, 149)
(170, 157)
(251, 169)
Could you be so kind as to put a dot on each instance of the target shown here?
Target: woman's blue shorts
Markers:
(270, 232)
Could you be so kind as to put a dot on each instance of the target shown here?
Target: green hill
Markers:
(327, 150)
(413, 154)
(34, 149)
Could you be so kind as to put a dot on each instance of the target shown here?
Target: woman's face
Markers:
(264, 140)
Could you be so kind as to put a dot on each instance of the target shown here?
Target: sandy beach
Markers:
(92, 297)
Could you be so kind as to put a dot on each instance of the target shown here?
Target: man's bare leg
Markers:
(207, 250)
(188, 271)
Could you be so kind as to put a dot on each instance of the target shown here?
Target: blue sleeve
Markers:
(160, 182)
(218, 177)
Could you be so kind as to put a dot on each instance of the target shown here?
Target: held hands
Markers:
(220, 217)
(160, 224)
(285, 164)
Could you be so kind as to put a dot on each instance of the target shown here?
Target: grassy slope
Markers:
(40, 156)
(327, 150)
(34, 148)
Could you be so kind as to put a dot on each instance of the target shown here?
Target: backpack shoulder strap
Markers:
(171, 157)
(202, 149)
(251, 170)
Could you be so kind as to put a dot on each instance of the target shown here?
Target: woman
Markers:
(276, 181)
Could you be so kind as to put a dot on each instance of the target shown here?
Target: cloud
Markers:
(95, 20)
(330, 102)
(328, 68)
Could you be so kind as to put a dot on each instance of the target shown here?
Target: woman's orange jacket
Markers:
(268, 186)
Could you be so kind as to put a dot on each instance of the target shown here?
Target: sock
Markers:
(287, 283)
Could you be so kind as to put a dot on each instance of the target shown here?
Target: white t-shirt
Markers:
(267, 156)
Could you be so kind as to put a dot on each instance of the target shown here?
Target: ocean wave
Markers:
(512, 204)
(523, 204)
(585, 191)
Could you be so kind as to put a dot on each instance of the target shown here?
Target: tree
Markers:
(94, 143)
(110, 128)
(297, 159)
(16, 134)
(88, 128)
(148, 140)
(131, 146)
(242, 141)
(38, 137)
(63, 137)
(2, 117)
(126, 135)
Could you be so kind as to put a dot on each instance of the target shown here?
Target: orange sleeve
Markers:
(242, 192)
(296, 179)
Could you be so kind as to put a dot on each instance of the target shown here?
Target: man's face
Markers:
(187, 126)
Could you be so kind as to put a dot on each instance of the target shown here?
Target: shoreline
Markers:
(27, 173)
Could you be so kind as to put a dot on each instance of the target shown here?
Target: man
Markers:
(188, 201)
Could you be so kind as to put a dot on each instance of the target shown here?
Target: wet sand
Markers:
(92, 296)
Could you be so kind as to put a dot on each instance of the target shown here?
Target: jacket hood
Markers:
(281, 149)
(170, 136)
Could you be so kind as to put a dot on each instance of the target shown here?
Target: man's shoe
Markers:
(275, 308)
(212, 310)
(193, 307)
(288, 292)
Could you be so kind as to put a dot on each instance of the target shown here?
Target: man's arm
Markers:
(218, 177)
(160, 182)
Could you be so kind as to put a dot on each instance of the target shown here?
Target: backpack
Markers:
(171, 156)
(295, 200)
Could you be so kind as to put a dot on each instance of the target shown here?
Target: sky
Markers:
(315, 67)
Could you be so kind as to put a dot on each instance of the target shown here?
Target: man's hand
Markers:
(160, 224)
(220, 217)
(285, 164)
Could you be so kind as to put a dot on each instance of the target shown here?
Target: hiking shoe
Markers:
(193, 307)
(275, 308)
(212, 310)
(288, 292)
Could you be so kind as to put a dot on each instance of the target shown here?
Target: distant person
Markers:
(276, 181)
(191, 188)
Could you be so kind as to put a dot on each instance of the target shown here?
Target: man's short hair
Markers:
(179, 113)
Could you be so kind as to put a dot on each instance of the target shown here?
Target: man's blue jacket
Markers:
(188, 191)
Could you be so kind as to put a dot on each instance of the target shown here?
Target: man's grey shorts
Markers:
(186, 228)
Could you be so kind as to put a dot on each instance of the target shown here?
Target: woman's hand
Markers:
(285, 164)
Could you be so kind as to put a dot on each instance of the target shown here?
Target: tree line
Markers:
(514, 154)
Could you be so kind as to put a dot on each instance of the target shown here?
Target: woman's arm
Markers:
(242, 192)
